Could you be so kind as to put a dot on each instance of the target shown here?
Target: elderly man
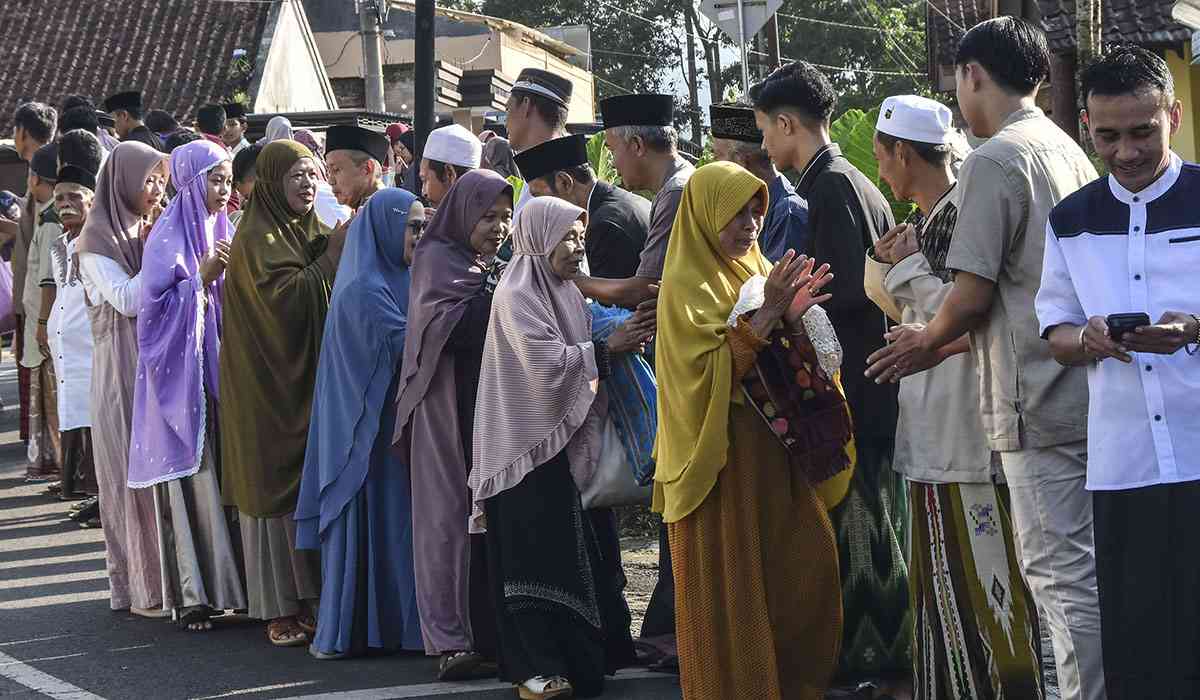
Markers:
(126, 110)
(33, 127)
(69, 333)
(450, 152)
(234, 133)
(354, 157)
(736, 139)
(1124, 246)
(638, 131)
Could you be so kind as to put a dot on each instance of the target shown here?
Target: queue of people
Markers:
(884, 455)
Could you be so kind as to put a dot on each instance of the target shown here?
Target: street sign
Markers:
(755, 13)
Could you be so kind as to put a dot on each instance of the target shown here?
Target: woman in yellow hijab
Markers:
(755, 561)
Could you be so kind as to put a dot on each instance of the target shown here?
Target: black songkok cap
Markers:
(734, 122)
(235, 110)
(356, 138)
(638, 110)
(552, 156)
(124, 100)
(45, 162)
(79, 118)
(78, 176)
(105, 119)
(553, 87)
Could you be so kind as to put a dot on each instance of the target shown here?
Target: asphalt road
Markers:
(59, 639)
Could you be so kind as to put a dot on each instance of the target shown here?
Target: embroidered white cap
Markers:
(455, 145)
(915, 118)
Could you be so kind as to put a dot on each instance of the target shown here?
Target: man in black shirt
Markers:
(126, 110)
(618, 221)
(847, 214)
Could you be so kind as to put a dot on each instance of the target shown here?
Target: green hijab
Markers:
(277, 288)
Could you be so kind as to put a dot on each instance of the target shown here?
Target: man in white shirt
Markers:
(70, 335)
(1130, 244)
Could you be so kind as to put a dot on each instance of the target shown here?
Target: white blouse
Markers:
(104, 280)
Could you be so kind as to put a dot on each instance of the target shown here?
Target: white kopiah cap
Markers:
(455, 145)
(915, 118)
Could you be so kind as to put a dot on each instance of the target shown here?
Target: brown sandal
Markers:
(284, 632)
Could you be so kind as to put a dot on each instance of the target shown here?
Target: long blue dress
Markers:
(355, 502)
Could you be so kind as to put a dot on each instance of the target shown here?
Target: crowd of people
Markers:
(385, 403)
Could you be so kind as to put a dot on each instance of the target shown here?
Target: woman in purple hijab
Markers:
(175, 398)
(450, 303)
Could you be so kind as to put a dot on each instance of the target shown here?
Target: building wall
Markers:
(293, 78)
(1187, 87)
(518, 55)
(496, 50)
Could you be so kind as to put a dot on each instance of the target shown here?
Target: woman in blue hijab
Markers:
(355, 502)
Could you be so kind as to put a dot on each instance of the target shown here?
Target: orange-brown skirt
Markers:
(759, 608)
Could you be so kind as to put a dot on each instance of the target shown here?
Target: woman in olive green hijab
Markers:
(277, 286)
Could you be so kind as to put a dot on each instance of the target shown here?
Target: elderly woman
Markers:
(128, 191)
(435, 416)
(536, 432)
(755, 562)
(281, 270)
(355, 504)
(175, 399)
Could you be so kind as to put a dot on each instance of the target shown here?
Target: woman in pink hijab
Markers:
(128, 191)
(561, 622)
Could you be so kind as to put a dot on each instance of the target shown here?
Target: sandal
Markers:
(542, 688)
(197, 619)
(284, 632)
(150, 613)
(464, 666)
(308, 623)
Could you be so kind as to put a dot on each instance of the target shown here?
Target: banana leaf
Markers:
(854, 132)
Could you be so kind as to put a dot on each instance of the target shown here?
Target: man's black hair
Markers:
(73, 101)
(935, 154)
(1126, 70)
(244, 161)
(80, 148)
(800, 86)
(1011, 50)
(581, 173)
(180, 138)
(37, 119)
(80, 117)
(554, 114)
(161, 122)
(210, 119)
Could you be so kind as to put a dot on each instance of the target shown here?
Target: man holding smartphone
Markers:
(1119, 252)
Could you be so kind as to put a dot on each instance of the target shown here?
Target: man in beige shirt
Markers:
(1033, 409)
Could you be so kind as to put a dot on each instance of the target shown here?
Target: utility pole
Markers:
(693, 81)
(741, 20)
(371, 15)
(423, 79)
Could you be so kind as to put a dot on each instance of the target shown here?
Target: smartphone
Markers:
(1120, 324)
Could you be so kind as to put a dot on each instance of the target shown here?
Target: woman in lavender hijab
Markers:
(175, 398)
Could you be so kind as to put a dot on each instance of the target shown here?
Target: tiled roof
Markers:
(946, 21)
(1145, 22)
(179, 52)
